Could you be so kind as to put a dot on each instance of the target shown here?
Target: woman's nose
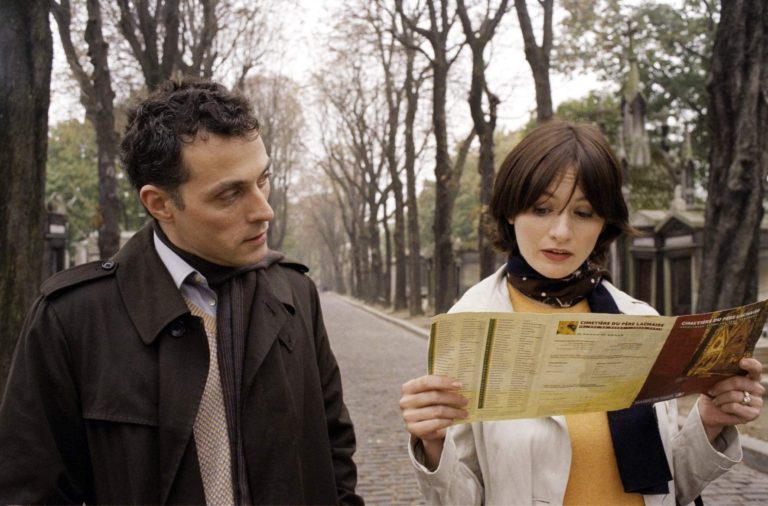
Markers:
(560, 228)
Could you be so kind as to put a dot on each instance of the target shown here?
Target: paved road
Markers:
(376, 357)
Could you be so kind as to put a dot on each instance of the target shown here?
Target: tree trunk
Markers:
(398, 238)
(477, 40)
(446, 178)
(387, 278)
(445, 292)
(386, 46)
(101, 113)
(738, 113)
(538, 56)
(25, 78)
(411, 86)
(414, 241)
(377, 263)
(97, 98)
(398, 235)
(487, 169)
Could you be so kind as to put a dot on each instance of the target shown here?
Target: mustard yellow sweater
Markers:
(594, 477)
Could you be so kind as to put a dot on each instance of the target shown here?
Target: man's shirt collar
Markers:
(177, 267)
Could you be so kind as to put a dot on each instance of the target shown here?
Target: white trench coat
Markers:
(527, 461)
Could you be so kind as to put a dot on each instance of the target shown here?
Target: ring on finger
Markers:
(747, 398)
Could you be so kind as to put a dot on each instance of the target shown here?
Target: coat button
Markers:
(178, 329)
(107, 265)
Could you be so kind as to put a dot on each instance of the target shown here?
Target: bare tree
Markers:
(412, 82)
(738, 89)
(325, 219)
(478, 39)
(171, 37)
(278, 107)
(318, 222)
(353, 119)
(25, 64)
(538, 56)
(97, 97)
(346, 185)
(446, 174)
(387, 51)
(142, 25)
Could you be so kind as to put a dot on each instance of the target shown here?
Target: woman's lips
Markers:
(556, 255)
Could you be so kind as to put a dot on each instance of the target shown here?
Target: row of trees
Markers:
(395, 69)
(378, 131)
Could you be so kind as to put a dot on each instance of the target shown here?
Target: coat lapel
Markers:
(183, 369)
(162, 319)
(271, 309)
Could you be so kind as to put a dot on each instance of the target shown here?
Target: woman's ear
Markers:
(511, 221)
(157, 202)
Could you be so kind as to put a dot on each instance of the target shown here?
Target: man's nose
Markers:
(259, 208)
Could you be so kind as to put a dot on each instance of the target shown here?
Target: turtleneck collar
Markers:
(214, 273)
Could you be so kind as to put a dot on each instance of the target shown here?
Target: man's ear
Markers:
(157, 202)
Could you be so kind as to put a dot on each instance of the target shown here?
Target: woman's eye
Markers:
(540, 211)
(585, 214)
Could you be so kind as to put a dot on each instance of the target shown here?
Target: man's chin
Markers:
(255, 256)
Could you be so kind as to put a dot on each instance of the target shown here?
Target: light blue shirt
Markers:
(189, 281)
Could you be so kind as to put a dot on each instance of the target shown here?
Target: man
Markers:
(193, 367)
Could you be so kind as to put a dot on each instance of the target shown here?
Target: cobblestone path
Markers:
(375, 358)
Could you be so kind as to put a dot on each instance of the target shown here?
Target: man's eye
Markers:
(264, 179)
(229, 195)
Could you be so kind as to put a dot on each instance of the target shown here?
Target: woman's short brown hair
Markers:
(540, 159)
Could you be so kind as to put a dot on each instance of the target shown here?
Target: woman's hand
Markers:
(429, 405)
(734, 400)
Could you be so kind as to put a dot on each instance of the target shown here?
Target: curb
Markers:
(755, 450)
(420, 332)
(755, 453)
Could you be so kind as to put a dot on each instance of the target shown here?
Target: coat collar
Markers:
(150, 295)
(491, 295)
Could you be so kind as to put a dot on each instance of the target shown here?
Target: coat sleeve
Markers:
(340, 430)
(696, 462)
(458, 477)
(44, 457)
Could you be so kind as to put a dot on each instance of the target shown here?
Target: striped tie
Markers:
(210, 426)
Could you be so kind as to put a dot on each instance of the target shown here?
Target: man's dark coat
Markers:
(109, 371)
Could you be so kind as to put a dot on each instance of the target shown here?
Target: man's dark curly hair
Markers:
(174, 114)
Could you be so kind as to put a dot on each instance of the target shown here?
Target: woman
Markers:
(558, 205)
